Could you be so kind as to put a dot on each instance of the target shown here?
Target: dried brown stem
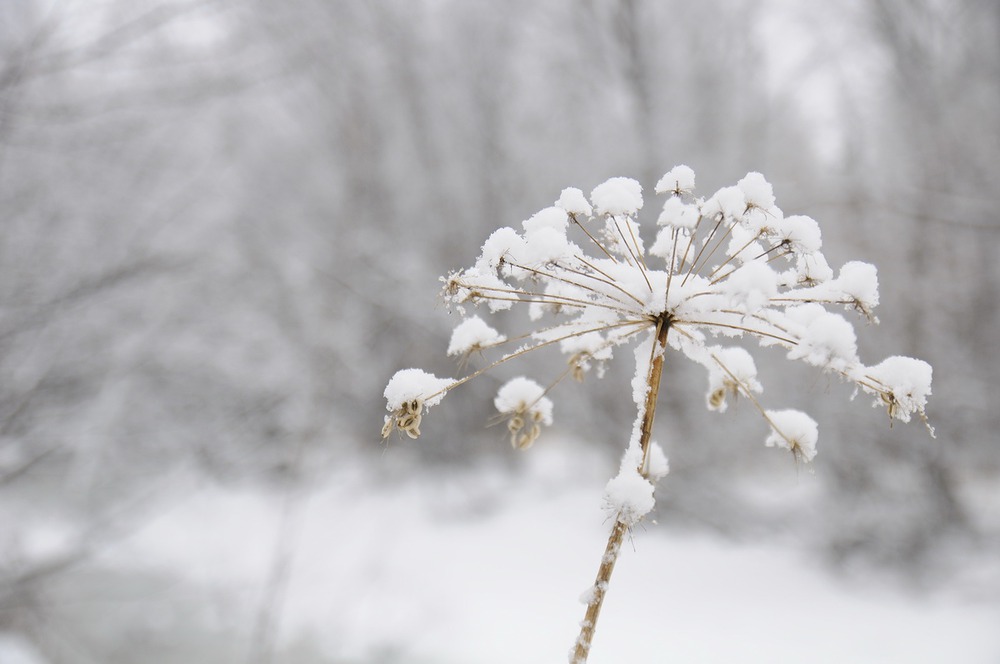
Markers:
(581, 648)
(592, 238)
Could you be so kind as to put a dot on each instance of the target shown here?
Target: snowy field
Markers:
(489, 567)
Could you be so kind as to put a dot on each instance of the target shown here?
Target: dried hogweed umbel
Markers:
(730, 266)
(720, 269)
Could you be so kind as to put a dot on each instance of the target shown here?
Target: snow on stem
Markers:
(581, 649)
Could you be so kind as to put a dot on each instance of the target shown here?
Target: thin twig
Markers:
(738, 327)
(523, 351)
(697, 256)
(640, 264)
(593, 239)
(607, 281)
(716, 247)
(594, 268)
(749, 395)
(671, 268)
(543, 273)
(730, 259)
(540, 298)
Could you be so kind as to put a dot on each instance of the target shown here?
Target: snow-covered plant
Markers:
(720, 270)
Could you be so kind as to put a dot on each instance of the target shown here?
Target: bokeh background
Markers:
(221, 229)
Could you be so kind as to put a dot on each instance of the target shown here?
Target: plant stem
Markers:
(581, 648)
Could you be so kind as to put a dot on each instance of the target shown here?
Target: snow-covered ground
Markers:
(487, 567)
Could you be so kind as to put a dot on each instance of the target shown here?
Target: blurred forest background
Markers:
(223, 223)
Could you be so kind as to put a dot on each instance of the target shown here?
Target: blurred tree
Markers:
(921, 88)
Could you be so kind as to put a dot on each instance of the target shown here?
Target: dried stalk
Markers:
(581, 649)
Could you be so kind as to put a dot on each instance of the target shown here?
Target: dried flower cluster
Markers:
(719, 269)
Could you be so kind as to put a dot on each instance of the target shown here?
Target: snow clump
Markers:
(794, 431)
(731, 371)
(628, 497)
(408, 395)
(904, 385)
(757, 191)
(574, 202)
(617, 196)
(678, 180)
(471, 335)
(523, 402)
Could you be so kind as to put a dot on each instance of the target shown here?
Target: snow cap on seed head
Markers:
(617, 196)
(409, 394)
(678, 214)
(729, 202)
(907, 384)
(730, 371)
(678, 180)
(526, 408)
(574, 202)
(757, 191)
(409, 384)
(473, 334)
(800, 233)
(794, 431)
